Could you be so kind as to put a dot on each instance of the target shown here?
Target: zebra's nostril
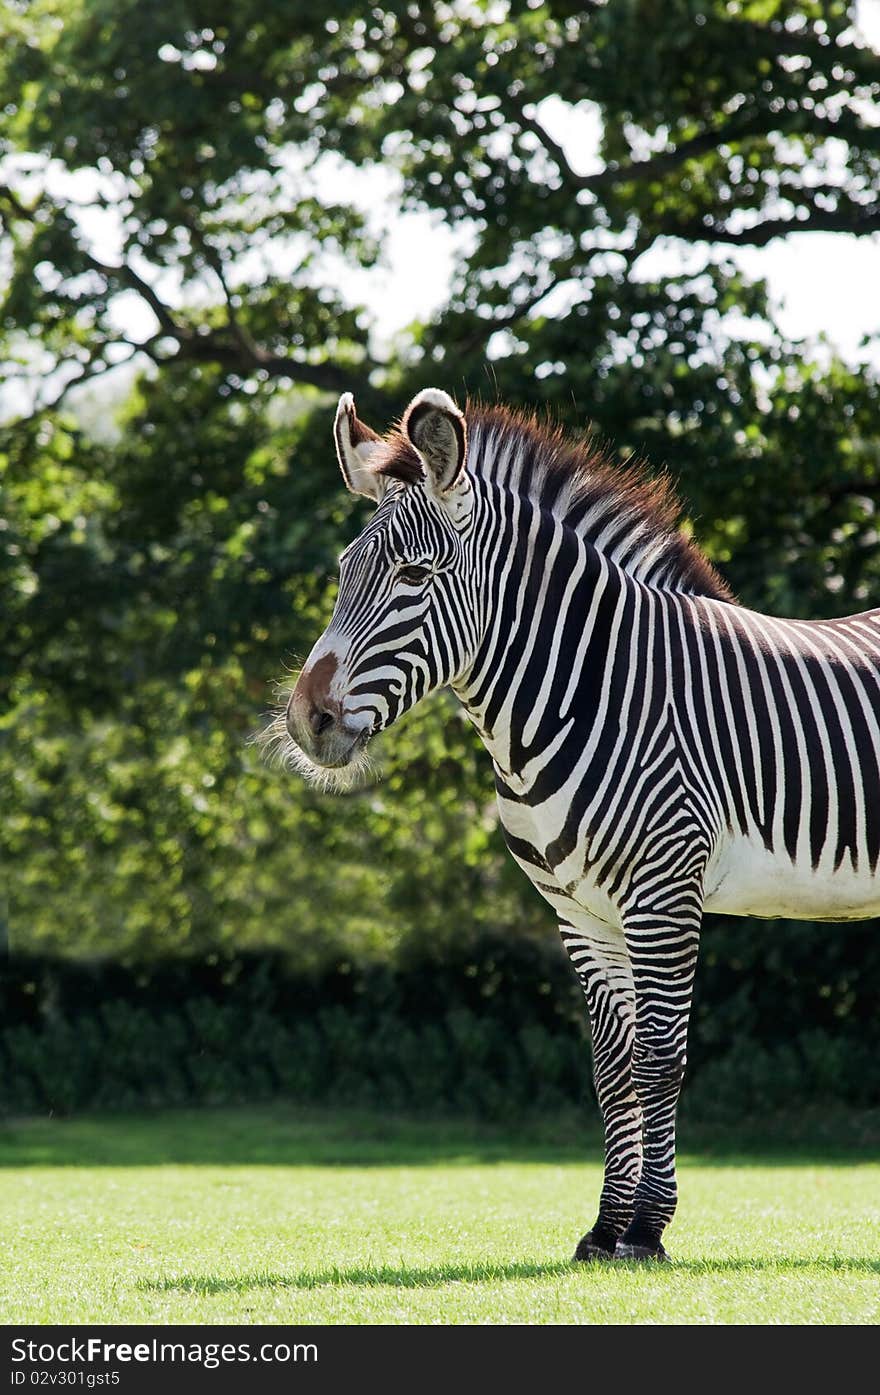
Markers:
(320, 721)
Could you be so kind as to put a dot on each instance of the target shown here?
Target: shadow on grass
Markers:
(207, 1285)
(380, 1276)
(283, 1136)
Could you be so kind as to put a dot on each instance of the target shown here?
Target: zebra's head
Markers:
(406, 616)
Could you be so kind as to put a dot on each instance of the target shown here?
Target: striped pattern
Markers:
(658, 749)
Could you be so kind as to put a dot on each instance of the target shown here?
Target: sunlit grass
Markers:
(266, 1216)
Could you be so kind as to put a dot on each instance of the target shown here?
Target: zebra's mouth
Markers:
(347, 772)
(354, 751)
(339, 771)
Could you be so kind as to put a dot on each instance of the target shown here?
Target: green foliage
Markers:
(167, 551)
(495, 1029)
(436, 1034)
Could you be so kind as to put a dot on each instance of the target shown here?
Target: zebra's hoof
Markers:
(641, 1252)
(586, 1251)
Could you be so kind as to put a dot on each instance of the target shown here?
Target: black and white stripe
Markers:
(658, 749)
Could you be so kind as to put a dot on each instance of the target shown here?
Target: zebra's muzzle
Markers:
(324, 736)
(316, 719)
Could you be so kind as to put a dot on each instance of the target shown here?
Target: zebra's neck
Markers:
(548, 598)
(625, 514)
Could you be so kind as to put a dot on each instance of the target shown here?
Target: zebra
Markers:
(658, 749)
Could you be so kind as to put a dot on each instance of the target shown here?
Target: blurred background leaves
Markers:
(177, 319)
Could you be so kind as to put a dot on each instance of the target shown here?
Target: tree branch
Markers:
(215, 262)
(746, 127)
(214, 347)
(94, 367)
(545, 140)
(240, 355)
(853, 219)
(126, 273)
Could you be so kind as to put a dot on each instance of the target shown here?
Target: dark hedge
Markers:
(784, 1016)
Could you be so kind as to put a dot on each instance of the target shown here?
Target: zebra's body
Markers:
(658, 749)
(789, 818)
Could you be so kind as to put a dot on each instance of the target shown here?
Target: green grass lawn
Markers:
(266, 1215)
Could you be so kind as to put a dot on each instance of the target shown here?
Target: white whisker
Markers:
(279, 750)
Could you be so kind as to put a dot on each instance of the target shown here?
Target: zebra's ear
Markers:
(356, 444)
(436, 429)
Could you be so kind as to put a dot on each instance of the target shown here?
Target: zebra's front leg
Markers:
(663, 948)
(601, 959)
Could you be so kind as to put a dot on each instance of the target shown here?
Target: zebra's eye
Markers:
(412, 574)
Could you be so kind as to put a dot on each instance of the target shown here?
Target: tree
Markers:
(161, 178)
(719, 125)
(723, 123)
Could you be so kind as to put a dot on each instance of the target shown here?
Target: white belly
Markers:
(742, 877)
(745, 879)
